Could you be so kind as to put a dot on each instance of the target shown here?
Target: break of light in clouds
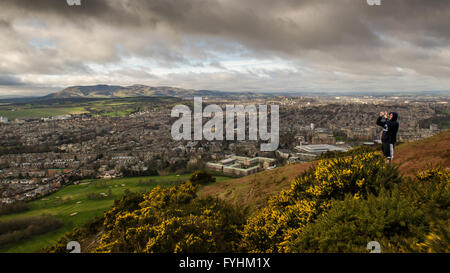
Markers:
(230, 45)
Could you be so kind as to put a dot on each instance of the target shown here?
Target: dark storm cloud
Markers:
(320, 26)
(49, 6)
(90, 12)
(263, 24)
(91, 8)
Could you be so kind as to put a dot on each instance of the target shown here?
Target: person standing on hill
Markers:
(389, 137)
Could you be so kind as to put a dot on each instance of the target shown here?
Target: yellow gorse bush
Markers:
(171, 220)
(434, 173)
(310, 194)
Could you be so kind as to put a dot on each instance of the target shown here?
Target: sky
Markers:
(229, 45)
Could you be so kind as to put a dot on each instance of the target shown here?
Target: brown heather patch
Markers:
(415, 156)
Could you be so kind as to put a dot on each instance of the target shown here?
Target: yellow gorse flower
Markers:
(309, 195)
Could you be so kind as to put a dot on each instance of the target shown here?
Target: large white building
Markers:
(240, 165)
(319, 148)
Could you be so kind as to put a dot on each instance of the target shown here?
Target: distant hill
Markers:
(116, 91)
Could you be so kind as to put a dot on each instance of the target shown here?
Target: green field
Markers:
(73, 199)
(39, 112)
(97, 107)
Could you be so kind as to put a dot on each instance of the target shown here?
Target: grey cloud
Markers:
(320, 24)
(345, 36)
(4, 24)
(7, 80)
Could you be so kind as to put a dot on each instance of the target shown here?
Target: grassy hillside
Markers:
(73, 206)
(337, 206)
(415, 156)
(253, 191)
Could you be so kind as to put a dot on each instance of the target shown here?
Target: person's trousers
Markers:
(388, 150)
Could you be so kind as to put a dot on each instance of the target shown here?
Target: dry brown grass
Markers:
(253, 191)
(415, 156)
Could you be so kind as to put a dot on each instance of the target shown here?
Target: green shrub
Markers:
(201, 178)
(431, 190)
(413, 217)
(16, 230)
(350, 224)
(14, 208)
(95, 196)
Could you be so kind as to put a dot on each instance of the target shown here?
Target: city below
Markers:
(116, 137)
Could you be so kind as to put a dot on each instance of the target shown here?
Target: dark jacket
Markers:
(390, 129)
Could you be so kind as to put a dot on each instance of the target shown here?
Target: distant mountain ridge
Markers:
(116, 91)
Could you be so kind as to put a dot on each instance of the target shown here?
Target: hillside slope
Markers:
(253, 191)
(414, 156)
